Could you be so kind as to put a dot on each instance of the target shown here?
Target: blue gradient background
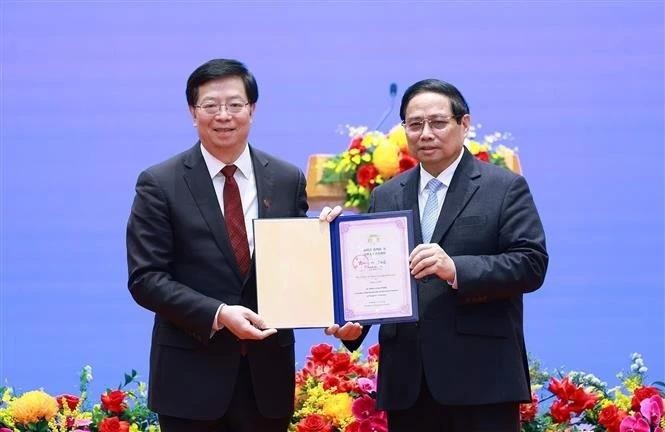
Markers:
(93, 92)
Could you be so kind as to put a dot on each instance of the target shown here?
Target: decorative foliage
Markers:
(373, 157)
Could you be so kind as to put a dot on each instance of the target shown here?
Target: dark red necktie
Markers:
(235, 220)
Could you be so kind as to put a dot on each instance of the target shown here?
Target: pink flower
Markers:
(634, 424)
(652, 409)
(366, 385)
(363, 408)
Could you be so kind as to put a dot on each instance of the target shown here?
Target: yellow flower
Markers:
(33, 406)
(372, 139)
(134, 428)
(386, 158)
(338, 406)
(633, 382)
(475, 147)
(397, 135)
(622, 401)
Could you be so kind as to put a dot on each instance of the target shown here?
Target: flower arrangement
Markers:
(373, 157)
(120, 410)
(335, 392)
(581, 402)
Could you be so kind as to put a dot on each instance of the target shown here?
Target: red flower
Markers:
(113, 424)
(114, 401)
(610, 418)
(580, 400)
(528, 410)
(356, 143)
(314, 423)
(483, 156)
(341, 363)
(642, 393)
(365, 174)
(407, 162)
(353, 427)
(70, 400)
(321, 353)
(373, 351)
(560, 411)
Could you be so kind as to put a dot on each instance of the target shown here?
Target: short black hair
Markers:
(216, 69)
(457, 101)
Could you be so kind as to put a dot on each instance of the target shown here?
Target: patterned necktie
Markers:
(431, 211)
(235, 220)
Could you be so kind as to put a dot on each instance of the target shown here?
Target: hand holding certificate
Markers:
(314, 274)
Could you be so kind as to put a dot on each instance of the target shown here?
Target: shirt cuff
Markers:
(453, 283)
(216, 325)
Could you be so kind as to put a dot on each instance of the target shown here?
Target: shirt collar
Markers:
(444, 177)
(214, 165)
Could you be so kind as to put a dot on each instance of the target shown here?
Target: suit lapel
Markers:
(462, 187)
(410, 200)
(200, 186)
(264, 182)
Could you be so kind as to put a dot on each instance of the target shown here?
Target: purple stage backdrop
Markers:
(93, 92)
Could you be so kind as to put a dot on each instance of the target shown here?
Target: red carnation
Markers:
(114, 401)
(610, 418)
(407, 162)
(314, 423)
(642, 393)
(113, 424)
(483, 156)
(365, 174)
(70, 400)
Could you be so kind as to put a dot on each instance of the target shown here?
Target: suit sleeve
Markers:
(521, 265)
(150, 255)
(301, 204)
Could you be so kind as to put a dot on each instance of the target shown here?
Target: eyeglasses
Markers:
(416, 126)
(213, 108)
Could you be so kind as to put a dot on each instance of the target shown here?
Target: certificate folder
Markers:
(311, 274)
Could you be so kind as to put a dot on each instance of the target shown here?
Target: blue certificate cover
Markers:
(372, 282)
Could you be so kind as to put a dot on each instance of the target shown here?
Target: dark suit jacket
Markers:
(468, 343)
(182, 266)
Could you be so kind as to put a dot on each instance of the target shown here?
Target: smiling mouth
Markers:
(224, 129)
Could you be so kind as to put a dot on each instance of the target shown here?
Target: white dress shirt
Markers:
(246, 180)
(423, 193)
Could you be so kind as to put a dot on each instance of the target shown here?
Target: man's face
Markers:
(222, 133)
(433, 135)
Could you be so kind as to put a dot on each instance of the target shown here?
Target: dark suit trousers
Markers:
(242, 415)
(428, 415)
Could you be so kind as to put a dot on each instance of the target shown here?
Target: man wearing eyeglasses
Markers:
(480, 247)
(213, 365)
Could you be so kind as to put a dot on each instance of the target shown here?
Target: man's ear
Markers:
(192, 111)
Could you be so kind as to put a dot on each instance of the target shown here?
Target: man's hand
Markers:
(328, 214)
(429, 259)
(349, 331)
(244, 323)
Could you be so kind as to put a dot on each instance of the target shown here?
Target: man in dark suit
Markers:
(213, 366)
(480, 247)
